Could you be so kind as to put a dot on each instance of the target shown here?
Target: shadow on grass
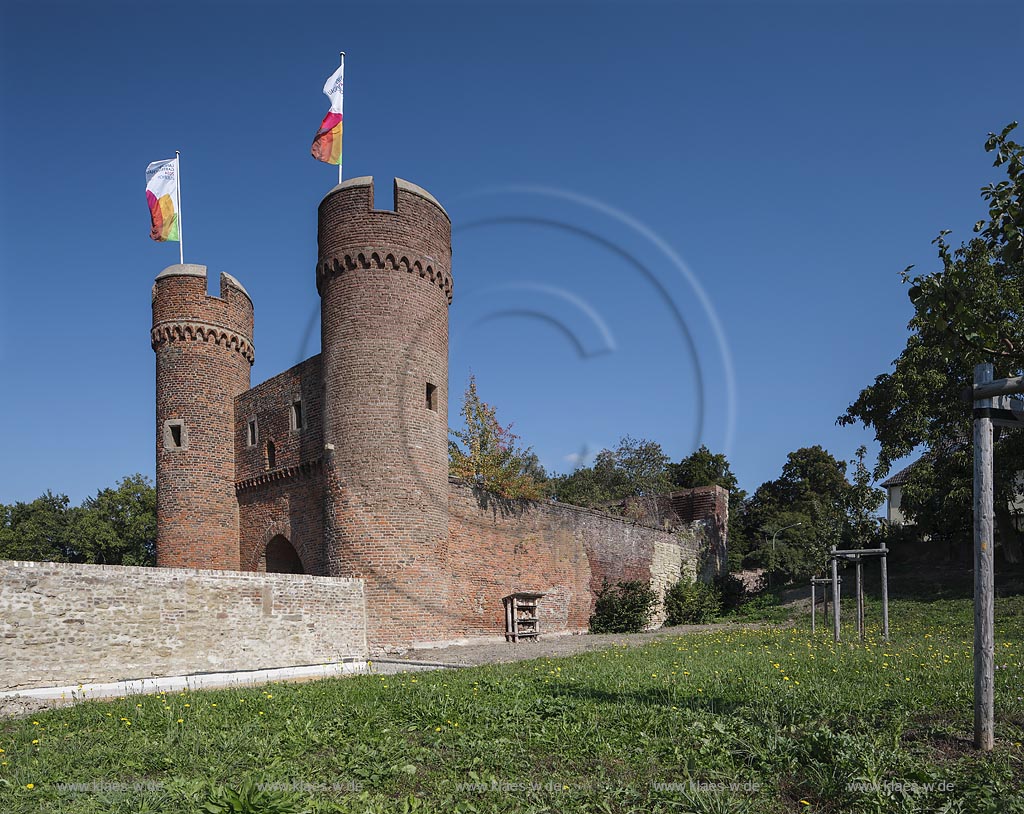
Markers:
(651, 697)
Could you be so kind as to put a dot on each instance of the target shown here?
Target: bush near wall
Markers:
(691, 603)
(625, 607)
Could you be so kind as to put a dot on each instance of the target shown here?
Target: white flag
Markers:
(335, 89)
(162, 197)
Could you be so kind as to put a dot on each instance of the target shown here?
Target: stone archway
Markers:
(281, 557)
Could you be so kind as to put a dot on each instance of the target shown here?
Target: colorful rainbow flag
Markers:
(162, 197)
(327, 142)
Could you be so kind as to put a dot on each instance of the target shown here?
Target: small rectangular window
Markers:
(175, 435)
(271, 455)
(431, 397)
(296, 421)
(253, 438)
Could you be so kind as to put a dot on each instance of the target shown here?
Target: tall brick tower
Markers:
(385, 285)
(204, 357)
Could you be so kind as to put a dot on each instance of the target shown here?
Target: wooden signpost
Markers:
(992, 406)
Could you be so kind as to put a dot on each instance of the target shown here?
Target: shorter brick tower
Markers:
(204, 357)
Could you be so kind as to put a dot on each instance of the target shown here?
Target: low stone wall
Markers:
(69, 624)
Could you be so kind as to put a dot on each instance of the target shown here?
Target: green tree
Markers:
(636, 468)
(705, 468)
(118, 525)
(702, 467)
(793, 520)
(862, 527)
(487, 454)
(39, 530)
(969, 311)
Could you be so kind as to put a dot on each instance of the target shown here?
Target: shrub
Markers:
(732, 590)
(625, 608)
(691, 603)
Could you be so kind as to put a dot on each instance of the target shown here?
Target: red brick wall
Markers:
(270, 404)
(500, 547)
(204, 357)
(385, 283)
(289, 502)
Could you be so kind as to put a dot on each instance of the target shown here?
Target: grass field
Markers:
(764, 720)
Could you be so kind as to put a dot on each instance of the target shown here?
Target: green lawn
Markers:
(758, 720)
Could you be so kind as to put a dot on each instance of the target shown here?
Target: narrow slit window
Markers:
(297, 414)
(271, 455)
(175, 436)
(252, 433)
(431, 397)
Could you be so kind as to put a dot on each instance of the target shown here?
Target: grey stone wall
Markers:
(66, 624)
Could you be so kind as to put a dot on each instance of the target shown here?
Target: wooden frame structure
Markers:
(521, 620)
(856, 555)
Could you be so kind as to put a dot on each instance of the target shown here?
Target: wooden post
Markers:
(860, 600)
(835, 595)
(814, 607)
(885, 597)
(984, 639)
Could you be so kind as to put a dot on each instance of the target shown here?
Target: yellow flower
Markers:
(30, 785)
(804, 803)
(181, 720)
(36, 740)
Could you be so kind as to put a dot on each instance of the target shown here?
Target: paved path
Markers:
(501, 652)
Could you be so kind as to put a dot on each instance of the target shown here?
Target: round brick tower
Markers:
(385, 285)
(204, 357)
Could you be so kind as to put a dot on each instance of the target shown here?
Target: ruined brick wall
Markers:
(65, 624)
(385, 284)
(204, 357)
(501, 547)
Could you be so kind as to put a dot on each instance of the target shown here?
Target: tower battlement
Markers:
(415, 238)
(183, 311)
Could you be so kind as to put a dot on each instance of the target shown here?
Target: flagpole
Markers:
(177, 187)
(342, 117)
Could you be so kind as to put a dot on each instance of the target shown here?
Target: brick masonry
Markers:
(499, 547)
(359, 487)
(69, 624)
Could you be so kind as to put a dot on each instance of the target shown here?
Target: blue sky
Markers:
(684, 222)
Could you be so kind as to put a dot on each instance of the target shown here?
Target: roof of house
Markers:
(959, 441)
(900, 477)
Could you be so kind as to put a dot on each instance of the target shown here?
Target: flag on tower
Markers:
(162, 197)
(327, 142)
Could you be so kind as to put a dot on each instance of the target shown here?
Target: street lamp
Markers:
(776, 534)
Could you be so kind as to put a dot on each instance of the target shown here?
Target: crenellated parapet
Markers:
(414, 238)
(184, 312)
